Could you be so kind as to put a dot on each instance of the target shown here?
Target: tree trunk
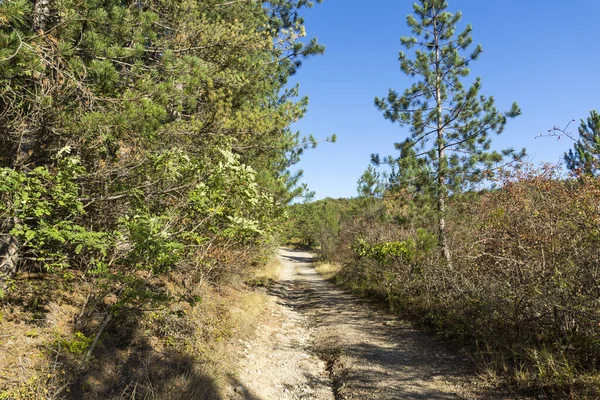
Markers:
(443, 238)
(441, 168)
(42, 13)
(9, 250)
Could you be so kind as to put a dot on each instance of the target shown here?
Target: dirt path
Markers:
(322, 343)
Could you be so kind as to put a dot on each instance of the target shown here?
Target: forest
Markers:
(144, 165)
(147, 180)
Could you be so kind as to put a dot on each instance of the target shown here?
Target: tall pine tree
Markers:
(449, 123)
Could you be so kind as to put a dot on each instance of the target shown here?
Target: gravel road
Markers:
(319, 342)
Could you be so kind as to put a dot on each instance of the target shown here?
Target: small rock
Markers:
(240, 390)
(110, 300)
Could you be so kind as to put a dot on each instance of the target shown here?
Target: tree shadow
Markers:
(129, 361)
(300, 259)
(414, 363)
(126, 366)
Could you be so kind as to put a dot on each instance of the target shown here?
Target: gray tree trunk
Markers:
(9, 250)
(42, 15)
(441, 173)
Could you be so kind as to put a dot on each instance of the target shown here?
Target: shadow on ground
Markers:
(383, 356)
(126, 366)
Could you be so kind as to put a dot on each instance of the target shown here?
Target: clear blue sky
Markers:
(543, 54)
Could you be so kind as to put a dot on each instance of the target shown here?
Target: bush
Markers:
(522, 288)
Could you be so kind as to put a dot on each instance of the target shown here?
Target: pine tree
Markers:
(370, 183)
(586, 152)
(449, 123)
(172, 102)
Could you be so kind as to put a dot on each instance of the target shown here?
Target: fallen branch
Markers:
(98, 334)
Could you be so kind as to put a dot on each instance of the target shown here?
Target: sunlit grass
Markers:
(266, 274)
(328, 270)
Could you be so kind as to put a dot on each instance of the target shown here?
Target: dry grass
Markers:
(185, 351)
(34, 320)
(226, 318)
(266, 274)
(328, 271)
(246, 313)
(230, 318)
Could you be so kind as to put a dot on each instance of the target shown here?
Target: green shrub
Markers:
(77, 345)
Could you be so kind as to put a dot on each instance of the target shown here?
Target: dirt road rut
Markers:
(319, 342)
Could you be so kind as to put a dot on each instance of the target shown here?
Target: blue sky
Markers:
(543, 54)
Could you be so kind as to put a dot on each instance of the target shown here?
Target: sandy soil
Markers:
(318, 342)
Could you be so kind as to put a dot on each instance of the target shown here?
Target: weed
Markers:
(32, 333)
(78, 344)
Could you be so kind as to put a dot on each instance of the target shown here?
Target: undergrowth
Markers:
(182, 351)
(522, 290)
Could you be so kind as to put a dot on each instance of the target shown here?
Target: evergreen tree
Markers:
(449, 123)
(165, 124)
(370, 183)
(586, 152)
